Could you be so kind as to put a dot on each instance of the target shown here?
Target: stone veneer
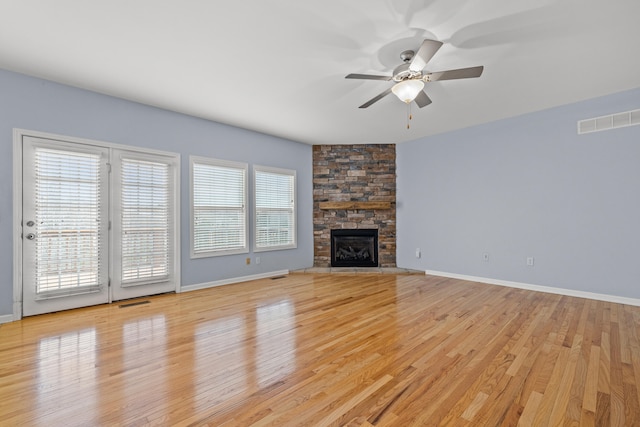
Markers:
(358, 173)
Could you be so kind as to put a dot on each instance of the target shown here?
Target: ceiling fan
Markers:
(410, 76)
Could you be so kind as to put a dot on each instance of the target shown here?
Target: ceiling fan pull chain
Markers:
(409, 116)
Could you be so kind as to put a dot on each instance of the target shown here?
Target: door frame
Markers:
(18, 135)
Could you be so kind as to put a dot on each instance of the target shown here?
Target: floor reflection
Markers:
(227, 364)
(276, 342)
(220, 360)
(225, 356)
(145, 351)
(66, 371)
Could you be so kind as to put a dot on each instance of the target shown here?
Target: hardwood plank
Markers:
(530, 410)
(474, 406)
(563, 393)
(591, 383)
(625, 335)
(550, 395)
(630, 405)
(337, 413)
(603, 411)
(616, 386)
(604, 375)
(322, 349)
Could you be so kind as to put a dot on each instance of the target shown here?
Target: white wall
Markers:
(527, 187)
(34, 104)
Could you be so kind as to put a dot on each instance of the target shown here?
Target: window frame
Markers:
(278, 171)
(208, 161)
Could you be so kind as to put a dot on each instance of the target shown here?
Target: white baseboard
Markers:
(539, 288)
(233, 280)
(6, 318)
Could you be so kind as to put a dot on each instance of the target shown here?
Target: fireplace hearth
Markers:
(354, 248)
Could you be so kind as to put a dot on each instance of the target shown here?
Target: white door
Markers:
(99, 224)
(64, 226)
(143, 224)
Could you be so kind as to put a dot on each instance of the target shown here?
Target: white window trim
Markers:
(221, 163)
(281, 171)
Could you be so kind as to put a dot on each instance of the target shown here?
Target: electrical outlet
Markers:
(257, 260)
(248, 261)
(485, 257)
(530, 261)
(417, 252)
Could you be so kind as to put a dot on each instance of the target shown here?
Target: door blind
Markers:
(67, 222)
(146, 218)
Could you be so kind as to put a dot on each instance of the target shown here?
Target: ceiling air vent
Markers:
(618, 120)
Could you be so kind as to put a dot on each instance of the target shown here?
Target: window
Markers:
(275, 218)
(218, 207)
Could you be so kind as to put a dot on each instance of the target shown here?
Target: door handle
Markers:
(31, 236)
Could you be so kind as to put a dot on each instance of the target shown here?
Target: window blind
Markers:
(219, 216)
(68, 222)
(275, 222)
(146, 219)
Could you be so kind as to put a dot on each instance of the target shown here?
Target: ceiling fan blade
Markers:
(461, 73)
(376, 98)
(367, 77)
(424, 54)
(422, 99)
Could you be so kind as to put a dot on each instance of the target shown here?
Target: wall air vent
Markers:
(612, 121)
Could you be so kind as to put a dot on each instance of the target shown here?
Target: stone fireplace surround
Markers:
(354, 186)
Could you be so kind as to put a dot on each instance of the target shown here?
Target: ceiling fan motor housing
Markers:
(402, 72)
(407, 55)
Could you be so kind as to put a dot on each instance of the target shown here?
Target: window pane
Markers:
(219, 214)
(275, 208)
(145, 220)
(67, 221)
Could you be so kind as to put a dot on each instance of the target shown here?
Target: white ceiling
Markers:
(278, 66)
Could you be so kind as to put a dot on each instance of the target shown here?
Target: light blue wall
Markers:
(34, 104)
(527, 187)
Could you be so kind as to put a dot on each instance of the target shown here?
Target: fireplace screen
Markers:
(354, 248)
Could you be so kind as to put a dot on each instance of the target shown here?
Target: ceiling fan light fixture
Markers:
(407, 90)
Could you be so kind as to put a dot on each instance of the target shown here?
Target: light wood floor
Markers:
(328, 350)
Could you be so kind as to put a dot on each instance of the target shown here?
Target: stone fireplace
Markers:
(354, 188)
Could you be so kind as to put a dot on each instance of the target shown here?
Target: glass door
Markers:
(99, 224)
(65, 225)
(144, 224)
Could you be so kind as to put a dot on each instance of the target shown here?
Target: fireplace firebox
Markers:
(354, 248)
